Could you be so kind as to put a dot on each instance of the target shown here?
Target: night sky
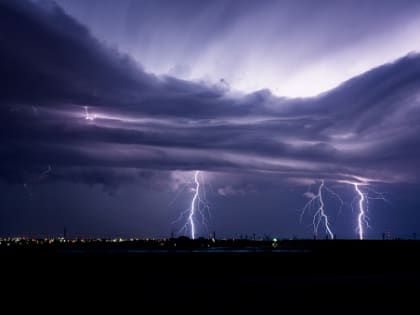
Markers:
(107, 109)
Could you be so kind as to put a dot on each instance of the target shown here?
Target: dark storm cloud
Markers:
(52, 68)
(48, 57)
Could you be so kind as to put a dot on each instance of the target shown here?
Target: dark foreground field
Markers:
(309, 277)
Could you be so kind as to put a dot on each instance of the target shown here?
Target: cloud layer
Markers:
(295, 48)
(95, 115)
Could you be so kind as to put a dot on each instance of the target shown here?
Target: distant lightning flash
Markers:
(196, 209)
(89, 116)
(39, 178)
(320, 214)
(25, 185)
(45, 173)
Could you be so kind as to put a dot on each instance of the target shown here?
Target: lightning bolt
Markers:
(193, 204)
(361, 218)
(197, 209)
(363, 197)
(320, 214)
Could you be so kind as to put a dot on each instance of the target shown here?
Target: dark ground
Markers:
(331, 277)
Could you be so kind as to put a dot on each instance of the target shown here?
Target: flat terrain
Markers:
(299, 277)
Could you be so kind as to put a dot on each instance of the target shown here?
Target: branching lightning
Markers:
(199, 208)
(317, 202)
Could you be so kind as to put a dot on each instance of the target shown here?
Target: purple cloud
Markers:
(366, 127)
